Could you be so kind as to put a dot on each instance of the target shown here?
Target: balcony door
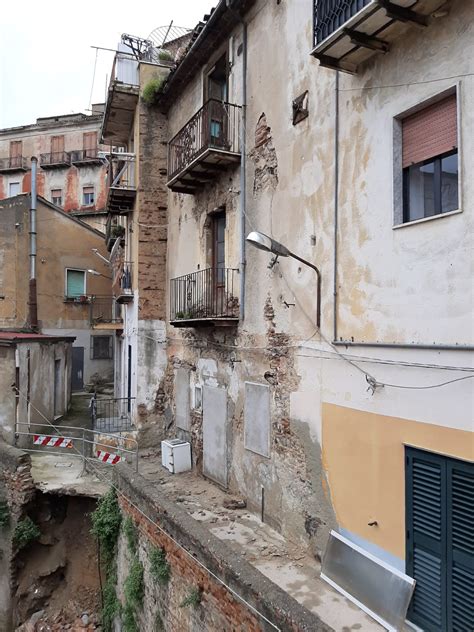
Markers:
(57, 148)
(216, 93)
(218, 262)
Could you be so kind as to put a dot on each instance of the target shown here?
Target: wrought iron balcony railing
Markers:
(104, 310)
(208, 140)
(348, 32)
(114, 230)
(13, 163)
(55, 159)
(204, 297)
(122, 284)
(79, 156)
(121, 182)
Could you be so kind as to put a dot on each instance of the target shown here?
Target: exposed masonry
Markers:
(264, 157)
(219, 608)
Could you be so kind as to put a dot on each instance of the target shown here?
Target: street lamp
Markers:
(95, 273)
(264, 242)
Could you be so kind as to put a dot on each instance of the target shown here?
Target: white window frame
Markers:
(397, 211)
(19, 188)
(51, 195)
(88, 186)
(65, 281)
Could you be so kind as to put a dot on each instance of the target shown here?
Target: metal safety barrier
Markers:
(84, 443)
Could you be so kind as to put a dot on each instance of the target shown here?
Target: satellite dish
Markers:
(163, 38)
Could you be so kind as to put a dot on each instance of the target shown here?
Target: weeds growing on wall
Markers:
(25, 532)
(106, 521)
(4, 514)
(193, 599)
(152, 90)
(131, 534)
(133, 591)
(159, 568)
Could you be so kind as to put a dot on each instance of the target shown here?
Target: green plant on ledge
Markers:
(4, 514)
(159, 567)
(152, 90)
(25, 532)
(165, 55)
(193, 599)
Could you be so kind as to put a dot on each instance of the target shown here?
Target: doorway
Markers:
(77, 379)
(440, 541)
(218, 262)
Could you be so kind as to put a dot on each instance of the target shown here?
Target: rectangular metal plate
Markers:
(377, 588)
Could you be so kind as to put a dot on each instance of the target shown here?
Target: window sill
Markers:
(427, 219)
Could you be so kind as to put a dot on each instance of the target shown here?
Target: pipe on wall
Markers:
(336, 200)
(33, 295)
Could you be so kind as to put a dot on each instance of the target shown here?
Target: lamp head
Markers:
(264, 242)
(94, 272)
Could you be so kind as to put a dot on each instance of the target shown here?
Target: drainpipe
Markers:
(243, 163)
(33, 296)
(336, 201)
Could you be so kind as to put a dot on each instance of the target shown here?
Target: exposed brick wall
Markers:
(220, 609)
(152, 213)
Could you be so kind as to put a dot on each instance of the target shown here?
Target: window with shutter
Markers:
(440, 541)
(101, 347)
(430, 160)
(75, 283)
(88, 196)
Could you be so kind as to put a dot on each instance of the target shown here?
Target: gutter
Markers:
(401, 345)
(33, 294)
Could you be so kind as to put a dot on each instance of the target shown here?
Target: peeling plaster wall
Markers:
(7, 408)
(408, 285)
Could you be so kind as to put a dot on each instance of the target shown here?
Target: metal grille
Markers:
(112, 415)
(55, 158)
(14, 162)
(215, 126)
(104, 309)
(329, 15)
(204, 294)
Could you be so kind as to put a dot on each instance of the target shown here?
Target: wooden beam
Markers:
(367, 41)
(395, 12)
(331, 62)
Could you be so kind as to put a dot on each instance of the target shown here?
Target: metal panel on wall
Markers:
(257, 418)
(183, 420)
(214, 434)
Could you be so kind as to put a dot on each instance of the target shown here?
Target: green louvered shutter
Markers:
(75, 283)
(460, 572)
(426, 538)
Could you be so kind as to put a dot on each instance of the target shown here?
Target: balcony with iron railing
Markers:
(122, 281)
(55, 160)
(114, 230)
(86, 156)
(13, 163)
(205, 298)
(122, 190)
(122, 99)
(204, 147)
(105, 313)
(348, 32)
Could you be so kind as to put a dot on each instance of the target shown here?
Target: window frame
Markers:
(88, 186)
(19, 188)
(110, 352)
(398, 210)
(437, 187)
(61, 197)
(67, 296)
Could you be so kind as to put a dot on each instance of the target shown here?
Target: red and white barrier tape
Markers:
(52, 442)
(108, 457)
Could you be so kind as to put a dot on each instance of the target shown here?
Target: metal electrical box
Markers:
(176, 455)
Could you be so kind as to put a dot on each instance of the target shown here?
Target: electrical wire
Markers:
(93, 78)
(99, 475)
(410, 83)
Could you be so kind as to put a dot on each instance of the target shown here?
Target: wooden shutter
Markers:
(460, 496)
(90, 143)
(430, 132)
(15, 148)
(426, 538)
(57, 144)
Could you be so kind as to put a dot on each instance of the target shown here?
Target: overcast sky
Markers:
(46, 63)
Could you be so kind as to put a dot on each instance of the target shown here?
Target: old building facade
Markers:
(348, 407)
(72, 174)
(74, 296)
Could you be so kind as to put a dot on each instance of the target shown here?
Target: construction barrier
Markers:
(52, 442)
(108, 457)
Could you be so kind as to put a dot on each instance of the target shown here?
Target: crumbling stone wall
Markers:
(210, 567)
(16, 491)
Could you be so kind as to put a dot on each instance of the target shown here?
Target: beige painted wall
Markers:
(363, 455)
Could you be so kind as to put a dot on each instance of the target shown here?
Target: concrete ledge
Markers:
(11, 458)
(268, 598)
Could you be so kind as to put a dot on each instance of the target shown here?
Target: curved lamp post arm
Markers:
(318, 291)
